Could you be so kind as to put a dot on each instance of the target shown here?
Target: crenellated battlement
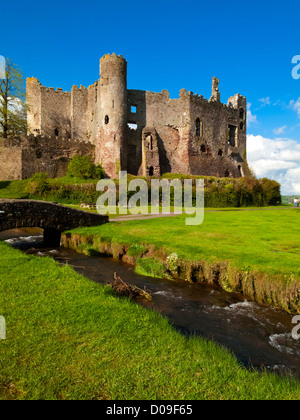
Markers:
(191, 134)
(52, 90)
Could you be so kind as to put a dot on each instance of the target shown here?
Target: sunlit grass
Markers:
(263, 240)
(69, 338)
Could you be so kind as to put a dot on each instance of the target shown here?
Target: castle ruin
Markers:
(145, 133)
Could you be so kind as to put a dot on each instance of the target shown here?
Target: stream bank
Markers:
(151, 261)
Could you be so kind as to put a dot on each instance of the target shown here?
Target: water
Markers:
(258, 335)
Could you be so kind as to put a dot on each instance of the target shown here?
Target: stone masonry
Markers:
(52, 217)
(145, 133)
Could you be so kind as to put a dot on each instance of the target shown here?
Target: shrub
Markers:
(271, 192)
(82, 167)
(38, 185)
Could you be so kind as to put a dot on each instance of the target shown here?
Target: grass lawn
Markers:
(69, 338)
(262, 240)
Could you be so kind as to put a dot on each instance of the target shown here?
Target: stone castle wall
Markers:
(144, 132)
(22, 157)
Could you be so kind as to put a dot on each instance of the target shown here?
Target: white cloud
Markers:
(265, 101)
(280, 130)
(295, 106)
(14, 104)
(277, 159)
(250, 117)
(278, 102)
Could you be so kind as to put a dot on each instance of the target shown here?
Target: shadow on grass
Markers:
(4, 184)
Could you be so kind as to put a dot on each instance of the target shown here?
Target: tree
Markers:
(13, 109)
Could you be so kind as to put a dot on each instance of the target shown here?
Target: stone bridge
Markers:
(51, 217)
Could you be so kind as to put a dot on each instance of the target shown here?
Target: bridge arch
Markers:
(53, 218)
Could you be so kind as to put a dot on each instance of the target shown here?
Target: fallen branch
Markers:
(128, 290)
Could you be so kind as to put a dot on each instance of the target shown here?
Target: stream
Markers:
(258, 335)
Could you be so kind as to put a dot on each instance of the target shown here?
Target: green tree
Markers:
(13, 109)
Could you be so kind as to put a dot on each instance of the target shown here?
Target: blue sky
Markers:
(170, 45)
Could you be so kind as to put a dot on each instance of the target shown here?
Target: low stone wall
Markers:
(22, 157)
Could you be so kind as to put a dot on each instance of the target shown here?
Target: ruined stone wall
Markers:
(34, 103)
(22, 157)
(170, 119)
(192, 133)
(55, 113)
(211, 151)
(10, 160)
(79, 106)
(92, 112)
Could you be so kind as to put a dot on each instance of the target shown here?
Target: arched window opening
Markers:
(203, 148)
(220, 152)
(106, 119)
(56, 132)
(151, 171)
(242, 113)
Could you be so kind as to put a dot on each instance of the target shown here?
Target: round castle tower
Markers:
(111, 145)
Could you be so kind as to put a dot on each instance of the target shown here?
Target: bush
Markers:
(38, 185)
(219, 192)
(82, 167)
(271, 192)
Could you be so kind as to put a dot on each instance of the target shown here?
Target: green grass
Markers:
(150, 267)
(69, 338)
(262, 240)
(13, 189)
